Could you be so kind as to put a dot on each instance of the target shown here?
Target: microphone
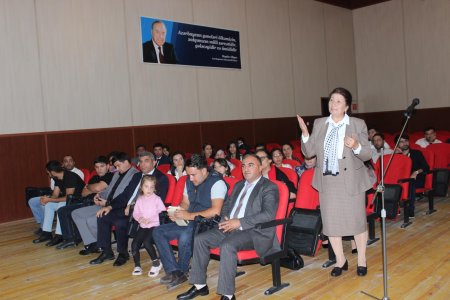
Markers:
(410, 108)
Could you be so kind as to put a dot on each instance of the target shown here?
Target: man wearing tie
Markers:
(157, 50)
(254, 200)
(114, 212)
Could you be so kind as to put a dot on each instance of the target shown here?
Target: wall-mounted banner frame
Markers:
(169, 42)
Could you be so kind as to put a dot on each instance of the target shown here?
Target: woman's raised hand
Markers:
(303, 126)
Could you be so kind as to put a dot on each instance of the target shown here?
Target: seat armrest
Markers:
(273, 223)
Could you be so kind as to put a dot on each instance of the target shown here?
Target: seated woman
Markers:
(178, 168)
(287, 152)
(221, 154)
(277, 159)
(221, 166)
(233, 152)
(207, 151)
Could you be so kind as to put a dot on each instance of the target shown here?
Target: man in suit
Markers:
(113, 213)
(157, 50)
(254, 200)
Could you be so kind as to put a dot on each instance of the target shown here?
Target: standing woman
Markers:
(341, 145)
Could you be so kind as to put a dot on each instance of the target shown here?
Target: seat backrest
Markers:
(178, 192)
(292, 162)
(236, 162)
(210, 161)
(291, 175)
(271, 146)
(87, 175)
(307, 196)
(282, 207)
(170, 190)
(400, 168)
(164, 168)
(298, 155)
(441, 155)
(429, 157)
(237, 173)
(231, 181)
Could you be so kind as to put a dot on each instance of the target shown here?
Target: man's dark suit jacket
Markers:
(150, 54)
(261, 207)
(121, 201)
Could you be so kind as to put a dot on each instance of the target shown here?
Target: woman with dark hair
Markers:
(178, 169)
(341, 145)
(277, 158)
(207, 151)
(287, 152)
(233, 151)
(221, 166)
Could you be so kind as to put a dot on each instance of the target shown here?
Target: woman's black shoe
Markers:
(337, 271)
(361, 271)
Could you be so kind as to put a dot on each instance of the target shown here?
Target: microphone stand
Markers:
(380, 189)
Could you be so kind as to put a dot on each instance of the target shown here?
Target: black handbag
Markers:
(133, 225)
(204, 224)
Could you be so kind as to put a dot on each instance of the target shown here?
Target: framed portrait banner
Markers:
(170, 42)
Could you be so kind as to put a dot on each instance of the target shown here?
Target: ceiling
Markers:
(352, 4)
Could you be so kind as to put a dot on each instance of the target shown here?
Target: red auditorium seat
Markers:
(87, 175)
(441, 155)
(171, 189)
(164, 168)
(292, 162)
(291, 175)
(178, 192)
(237, 171)
(231, 183)
(271, 146)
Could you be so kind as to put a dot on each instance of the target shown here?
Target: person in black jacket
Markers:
(419, 168)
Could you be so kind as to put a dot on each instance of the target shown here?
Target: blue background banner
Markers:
(196, 45)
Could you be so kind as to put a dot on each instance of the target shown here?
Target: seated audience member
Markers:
(110, 156)
(221, 154)
(430, 138)
(139, 149)
(233, 151)
(208, 151)
(253, 201)
(221, 166)
(378, 143)
(277, 159)
(85, 218)
(166, 150)
(35, 203)
(260, 146)
(95, 185)
(178, 169)
(287, 152)
(203, 195)
(242, 146)
(371, 132)
(69, 165)
(160, 158)
(66, 183)
(146, 213)
(114, 214)
(273, 173)
(419, 168)
(309, 163)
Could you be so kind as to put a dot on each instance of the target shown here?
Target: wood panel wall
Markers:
(23, 157)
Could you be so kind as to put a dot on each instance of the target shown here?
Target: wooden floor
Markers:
(418, 268)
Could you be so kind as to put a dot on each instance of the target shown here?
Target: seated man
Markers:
(35, 203)
(430, 138)
(273, 173)
(160, 158)
(203, 195)
(96, 184)
(139, 149)
(371, 132)
(66, 183)
(419, 168)
(85, 218)
(378, 143)
(113, 213)
(253, 201)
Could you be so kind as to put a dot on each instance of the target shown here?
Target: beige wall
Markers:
(76, 64)
(402, 52)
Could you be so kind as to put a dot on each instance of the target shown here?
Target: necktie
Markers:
(330, 162)
(241, 200)
(161, 56)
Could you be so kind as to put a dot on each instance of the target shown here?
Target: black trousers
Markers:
(117, 219)
(68, 228)
(143, 236)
